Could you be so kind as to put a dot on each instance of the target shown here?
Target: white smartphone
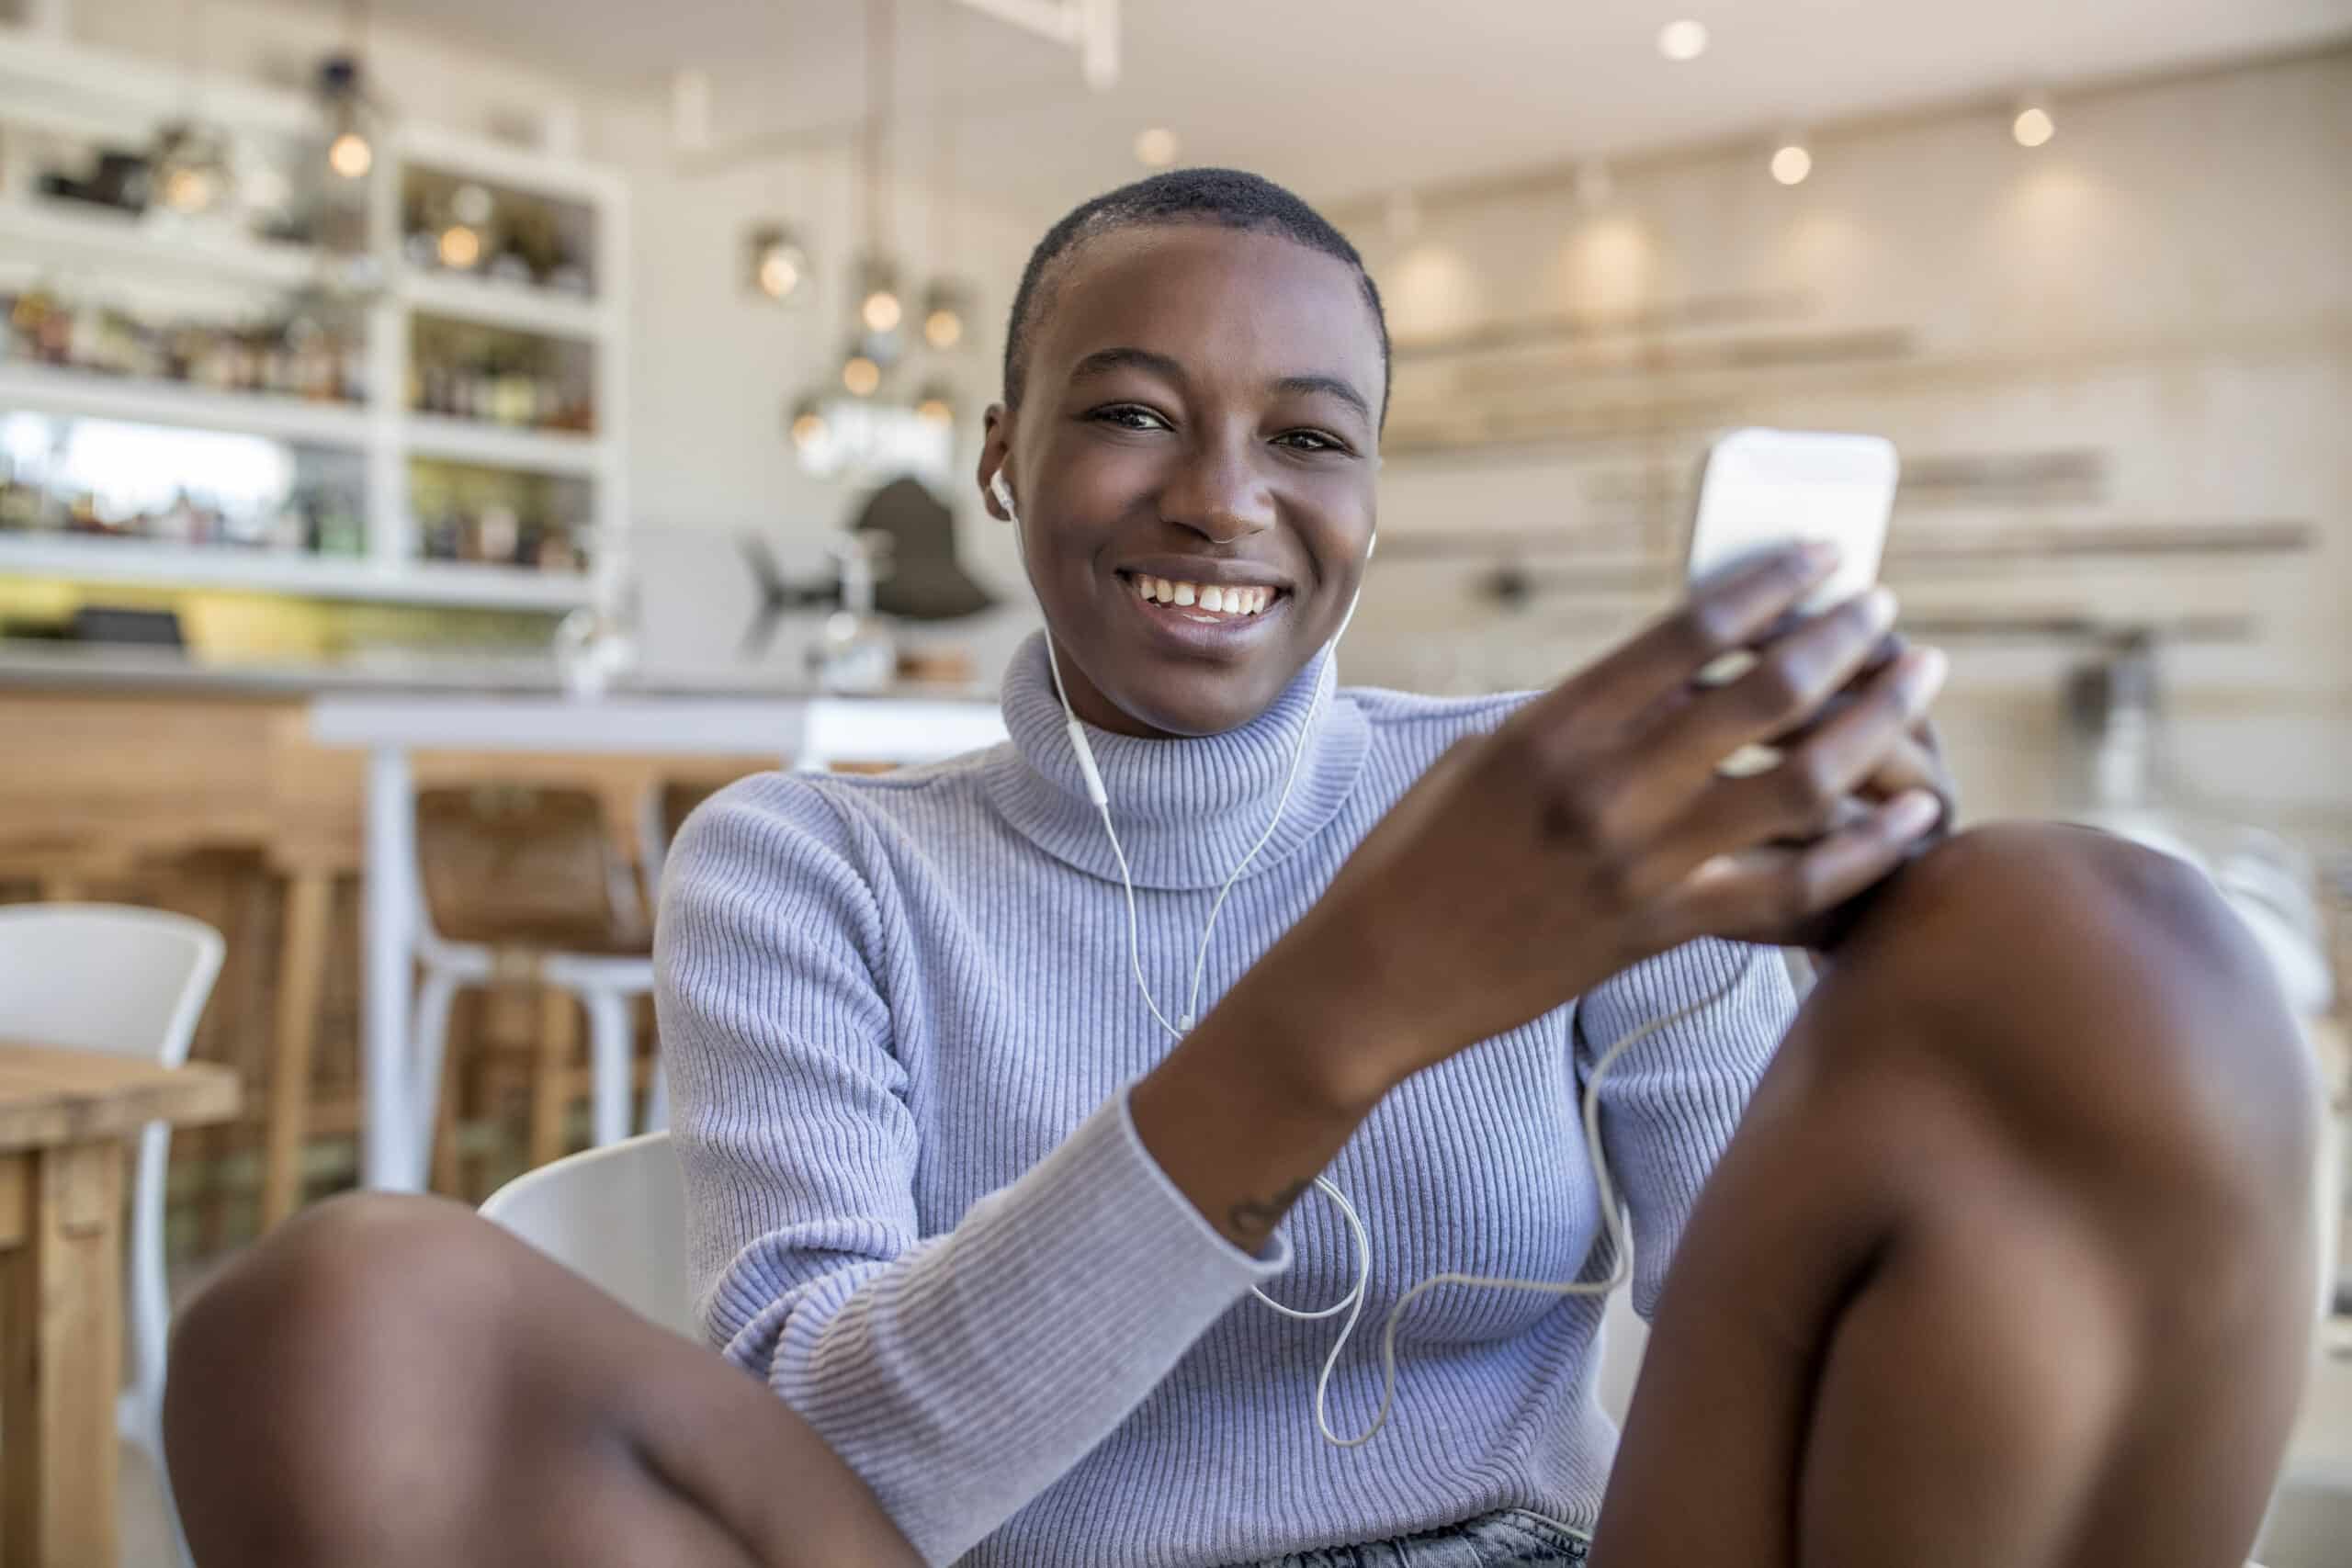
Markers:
(1764, 488)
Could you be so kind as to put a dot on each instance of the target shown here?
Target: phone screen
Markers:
(1764, 488)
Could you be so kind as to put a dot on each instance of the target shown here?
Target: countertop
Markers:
(31, 665)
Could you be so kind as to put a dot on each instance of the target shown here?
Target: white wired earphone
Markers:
(1351, 1304)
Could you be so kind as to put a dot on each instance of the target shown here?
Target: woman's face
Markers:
(1202, 408)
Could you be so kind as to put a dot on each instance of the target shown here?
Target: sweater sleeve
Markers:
(962, 1372)
(1670, 1104)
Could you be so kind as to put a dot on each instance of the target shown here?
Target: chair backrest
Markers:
(521, 866)
(105, 977)
(615, 1215)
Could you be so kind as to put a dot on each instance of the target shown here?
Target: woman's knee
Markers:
(2101, 1001)
(330, 1367)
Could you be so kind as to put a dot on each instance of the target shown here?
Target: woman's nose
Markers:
(1220, 497)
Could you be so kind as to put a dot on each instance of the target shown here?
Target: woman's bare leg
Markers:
(2007, 1265)
(395, 1383)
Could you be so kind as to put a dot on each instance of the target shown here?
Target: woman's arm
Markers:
(959, 1374)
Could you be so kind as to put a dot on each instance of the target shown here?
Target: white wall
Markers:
(2169, 284)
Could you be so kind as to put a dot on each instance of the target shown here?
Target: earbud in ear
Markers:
(1371, 544)
(1002, 491)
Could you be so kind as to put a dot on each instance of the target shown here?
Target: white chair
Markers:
(615, 1215)
(128, 983)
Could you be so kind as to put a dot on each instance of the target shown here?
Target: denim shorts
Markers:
(1510, 1537)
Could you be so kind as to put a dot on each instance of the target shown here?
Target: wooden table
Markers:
(64, 1117)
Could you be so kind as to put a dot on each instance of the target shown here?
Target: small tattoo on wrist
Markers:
(1253, 1217)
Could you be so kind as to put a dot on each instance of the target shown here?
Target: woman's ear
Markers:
(996, 454)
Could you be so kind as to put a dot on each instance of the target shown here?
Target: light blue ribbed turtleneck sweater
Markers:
(900, 1026)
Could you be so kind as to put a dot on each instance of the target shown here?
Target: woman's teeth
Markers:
(1229, 601)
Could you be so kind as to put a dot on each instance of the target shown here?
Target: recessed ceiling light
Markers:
(1685, 39)
(1155, 148)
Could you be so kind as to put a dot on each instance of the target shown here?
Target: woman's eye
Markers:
(1309, 441)
(1128, 416)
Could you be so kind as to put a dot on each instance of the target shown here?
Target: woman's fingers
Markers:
(1782, 690)
(1813, 789)
(1727, 613)
(1773, 895)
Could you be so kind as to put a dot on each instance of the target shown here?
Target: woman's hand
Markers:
(1593, 830)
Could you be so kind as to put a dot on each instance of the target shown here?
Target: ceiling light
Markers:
(861, 375)
(1155, 148)
(1682, 41)
(1792, 163)
(2033, 125)
(779, 263)
(881, 310)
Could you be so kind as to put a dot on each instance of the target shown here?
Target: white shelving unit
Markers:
(322, 577)
(48, 86)
(44, 388)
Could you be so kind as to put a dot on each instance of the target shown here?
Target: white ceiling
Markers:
(1342, 98)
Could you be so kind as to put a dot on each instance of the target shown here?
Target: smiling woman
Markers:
(1194, 375)
(2002, 1268)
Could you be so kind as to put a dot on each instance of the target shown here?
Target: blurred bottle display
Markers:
(527, 382)
(498, 516)
(318, 513)
(298, 353)
(505, 236)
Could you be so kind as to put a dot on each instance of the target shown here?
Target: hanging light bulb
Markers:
(2034, 126)
(860, 372)
(1791, 162)
(189, 167)
(351, 151)
(936, 402)
(809, 424)
(778, 262)
(945, 307)
(460, 247)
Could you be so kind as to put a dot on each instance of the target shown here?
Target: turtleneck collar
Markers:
(1187, 810)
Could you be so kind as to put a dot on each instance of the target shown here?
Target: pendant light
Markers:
(187, 168)
(351, 116)
(879, 307)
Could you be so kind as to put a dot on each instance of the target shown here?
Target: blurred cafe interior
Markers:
(442, 443)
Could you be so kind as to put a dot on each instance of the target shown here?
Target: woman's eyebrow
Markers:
(1296, 385)
(1102, 361)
